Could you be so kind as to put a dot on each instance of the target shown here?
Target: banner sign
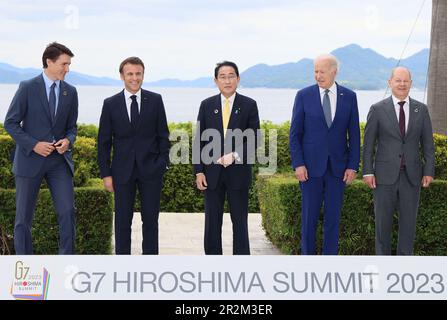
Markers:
(222, 277)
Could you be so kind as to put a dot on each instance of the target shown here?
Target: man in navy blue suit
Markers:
(42, 121)
(226, 140)
(325, 151)
(133, 125)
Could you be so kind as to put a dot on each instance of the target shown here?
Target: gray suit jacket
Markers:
(383, 145)
(28, 121)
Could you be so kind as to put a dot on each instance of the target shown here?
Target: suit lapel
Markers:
(233, 115)
(391, 113)
(413, 112)
(318, 103)
(40, 86)
(123, 109)
(339, 104)
(144, 108)
(216, 109)
(63, 96)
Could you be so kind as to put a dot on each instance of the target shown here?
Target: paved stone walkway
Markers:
(182, 234)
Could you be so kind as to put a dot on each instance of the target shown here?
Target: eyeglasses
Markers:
(225, 78)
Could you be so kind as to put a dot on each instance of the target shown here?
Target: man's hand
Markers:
(201, 181)
(301, 173)
(370, 181)
(43, 148)
(108, 184)
(426, 180)
(62, 145)
(226, 160)
(349, 176)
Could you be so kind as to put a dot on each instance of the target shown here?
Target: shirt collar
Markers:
(127, 94)
(49, 82)
(332, 89)
(396, 100)
(222, 98)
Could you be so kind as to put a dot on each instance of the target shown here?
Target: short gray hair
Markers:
(331, 58)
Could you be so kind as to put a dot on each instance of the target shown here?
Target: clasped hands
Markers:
(46, 148)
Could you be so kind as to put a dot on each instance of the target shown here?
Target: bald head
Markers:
(400, 82)
(325, 70)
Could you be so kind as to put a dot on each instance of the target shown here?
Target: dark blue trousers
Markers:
(214, 209)
(327, 189)
(150, 193)
(60, 182)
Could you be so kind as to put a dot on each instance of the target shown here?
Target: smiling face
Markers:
(132, 75)
(227, 81)
(324, 72)
(56, 70)
(400, 83)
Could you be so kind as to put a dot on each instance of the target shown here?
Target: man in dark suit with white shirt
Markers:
(233, 122)
(398, 130)
(42, 121)
(133, 125)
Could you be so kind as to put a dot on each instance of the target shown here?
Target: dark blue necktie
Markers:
(134, 115)
(327, 108)
(52, 101)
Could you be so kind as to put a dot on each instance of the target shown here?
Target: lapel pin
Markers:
(237, 110)
(416, 110)
(64, 93)
(216, 111)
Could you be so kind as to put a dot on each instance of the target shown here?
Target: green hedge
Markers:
(280, 204)
(94, 217)
(180, 193)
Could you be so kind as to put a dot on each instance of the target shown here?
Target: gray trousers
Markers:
(403, 197)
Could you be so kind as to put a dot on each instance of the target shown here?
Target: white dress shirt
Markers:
(127, 96)
(406, 109)
(332, 98)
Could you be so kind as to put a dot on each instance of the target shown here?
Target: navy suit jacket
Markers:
(28, 121)
(244, 115)
(312, 143)
(148, 145)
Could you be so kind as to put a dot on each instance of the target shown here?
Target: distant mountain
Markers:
(360, 68)
(11, 74)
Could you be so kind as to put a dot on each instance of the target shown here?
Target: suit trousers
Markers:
(404, 197)
(316, 190)
(60, 182)
(150, 193)
(214, 209)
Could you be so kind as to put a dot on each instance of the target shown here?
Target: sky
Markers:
(184, 39)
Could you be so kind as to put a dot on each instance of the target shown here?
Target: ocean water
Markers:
(182, 104)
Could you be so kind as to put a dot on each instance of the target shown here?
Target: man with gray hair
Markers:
(396, 130)
(325, 152)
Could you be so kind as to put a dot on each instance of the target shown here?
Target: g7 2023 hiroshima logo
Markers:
(28, 285)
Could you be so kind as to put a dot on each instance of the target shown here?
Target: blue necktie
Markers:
(52, 101)
(327, 108)
(134, 115)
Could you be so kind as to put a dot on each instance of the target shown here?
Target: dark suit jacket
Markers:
(312, 143)
(28, 121)
(244, 115)
(383, 145)
(148, 145)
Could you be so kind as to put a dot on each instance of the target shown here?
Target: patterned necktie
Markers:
(226, 115)
(327, 108)
(402, 118)
(134, 115)
(52, 101)
(402, 128)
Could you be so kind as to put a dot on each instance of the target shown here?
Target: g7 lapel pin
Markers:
(237, 111)
(216, 111)
(64, 93)
(416, 110)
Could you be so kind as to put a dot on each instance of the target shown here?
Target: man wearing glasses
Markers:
(225, 142)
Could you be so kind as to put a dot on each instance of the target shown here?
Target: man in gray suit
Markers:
(42, 121)
(397, 129)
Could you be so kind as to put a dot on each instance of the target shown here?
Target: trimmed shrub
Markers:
(280, 204)
(94, 216)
